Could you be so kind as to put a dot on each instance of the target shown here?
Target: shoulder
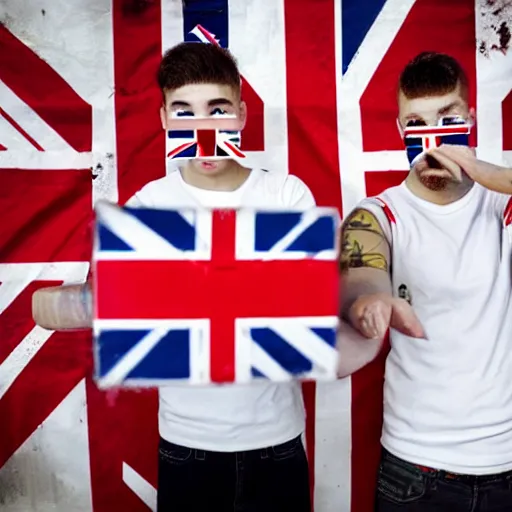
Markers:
(287, 189)
(157, 193)
(500, 204)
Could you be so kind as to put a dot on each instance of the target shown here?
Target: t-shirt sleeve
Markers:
(296, 194)
(503, 206)
(141, 199)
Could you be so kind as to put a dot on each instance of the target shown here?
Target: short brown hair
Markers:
(431, 74)
(197, 63)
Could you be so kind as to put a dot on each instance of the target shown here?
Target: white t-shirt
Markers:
(448, 399)
(229, 417)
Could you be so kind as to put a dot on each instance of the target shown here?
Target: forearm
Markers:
(362, 281)
(354, 350)
(63, 307)
(498, 179)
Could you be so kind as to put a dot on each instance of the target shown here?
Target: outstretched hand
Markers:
(372, 315)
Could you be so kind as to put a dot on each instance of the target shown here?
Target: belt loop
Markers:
(199, 454)
(264, 453)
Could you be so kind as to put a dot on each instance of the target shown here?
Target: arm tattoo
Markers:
(362, 237)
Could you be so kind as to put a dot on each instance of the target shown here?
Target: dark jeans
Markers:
(273, 479)
(406, 487)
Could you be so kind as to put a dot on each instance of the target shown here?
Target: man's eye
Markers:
(416, 122)
(217, 111)
(451, 120)
(182, 113)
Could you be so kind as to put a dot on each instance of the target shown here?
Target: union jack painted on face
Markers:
(419, 139)
(208, 143)
(214, 296)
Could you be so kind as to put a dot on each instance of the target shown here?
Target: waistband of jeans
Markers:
(441, 473)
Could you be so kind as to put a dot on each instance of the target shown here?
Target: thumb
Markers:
(404, 320)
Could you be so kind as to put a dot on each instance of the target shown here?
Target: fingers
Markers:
(61, 308)
(463, 156)
(371, 319)
(452, 167)
(404, 320)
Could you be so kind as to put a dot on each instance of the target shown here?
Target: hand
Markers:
(372, 315)
(493, 177)
(450, 164)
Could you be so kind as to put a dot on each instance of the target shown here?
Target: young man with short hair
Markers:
(433, 263)
(224, 447)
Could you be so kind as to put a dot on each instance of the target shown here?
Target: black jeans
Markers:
(273, 479)
(405, 487)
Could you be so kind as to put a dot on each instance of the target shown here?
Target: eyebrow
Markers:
(448, 107)
(442, 110)
(211, 103)
(219, 101)
(180, 104)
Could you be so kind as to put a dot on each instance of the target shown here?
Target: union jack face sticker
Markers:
(210, 144)
(450, 130)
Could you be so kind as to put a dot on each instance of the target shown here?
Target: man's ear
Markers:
(400, 129)
(163, 117)
(472, 116)
(243, 114)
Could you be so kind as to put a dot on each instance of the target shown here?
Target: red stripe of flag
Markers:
(435, 130)
(59, 365)
(123, 426)
(137, 54)
(45, 92)
(508, 213)
(312, 127)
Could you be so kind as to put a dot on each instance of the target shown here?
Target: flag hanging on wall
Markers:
(79, 123)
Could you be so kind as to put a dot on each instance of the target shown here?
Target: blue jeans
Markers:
(273, 479)
(406, 487)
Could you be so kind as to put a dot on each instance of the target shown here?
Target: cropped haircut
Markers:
(432, 74)
(197, 63)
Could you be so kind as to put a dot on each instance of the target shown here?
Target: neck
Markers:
(229, 179)
(453, 192)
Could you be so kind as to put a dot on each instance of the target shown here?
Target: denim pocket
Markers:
(286, 450)
(174, 453)
(400, 482)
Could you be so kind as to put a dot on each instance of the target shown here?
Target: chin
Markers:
(434, 179)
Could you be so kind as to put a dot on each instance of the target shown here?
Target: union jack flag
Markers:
(209, 143)
(268, 324)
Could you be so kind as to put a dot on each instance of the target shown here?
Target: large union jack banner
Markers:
(267, 324)
(79, 123)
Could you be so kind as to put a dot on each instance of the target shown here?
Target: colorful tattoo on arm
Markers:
(363, 242)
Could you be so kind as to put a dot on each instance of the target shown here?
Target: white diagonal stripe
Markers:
(38, 129)
(12, 139)
(350, 88)
(70, 272)
(375, 45)
(308, 343)
(134, 233)
(308, 218)
(132, 358)
(267, 365)
(140, 486)
(12, 286)
(22, 354)
(15, 277)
